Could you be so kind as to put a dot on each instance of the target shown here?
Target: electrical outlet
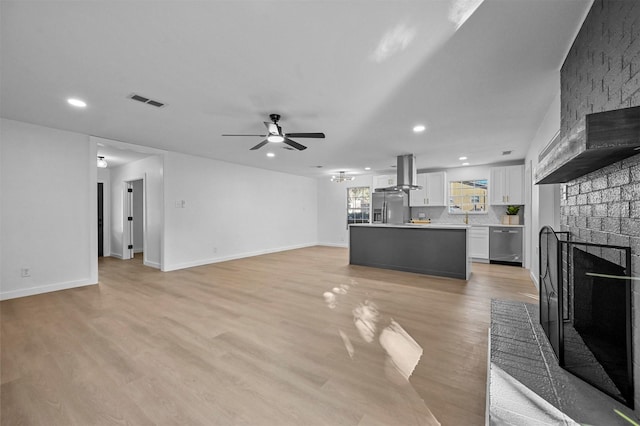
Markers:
(25, 272)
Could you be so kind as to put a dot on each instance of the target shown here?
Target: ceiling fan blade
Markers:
(294, 144)
(273, 128)
(260, 145)
(306, 135)
(262, 136)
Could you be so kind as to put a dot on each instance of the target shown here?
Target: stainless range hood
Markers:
(407, 174)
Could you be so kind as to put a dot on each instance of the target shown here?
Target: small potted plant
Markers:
(512, 217)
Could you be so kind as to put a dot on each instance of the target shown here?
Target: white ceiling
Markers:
(363, 72)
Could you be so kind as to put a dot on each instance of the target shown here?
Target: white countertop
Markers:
(436, 225)
(415, 225)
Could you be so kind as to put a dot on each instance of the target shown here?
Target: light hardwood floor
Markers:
(249, 342)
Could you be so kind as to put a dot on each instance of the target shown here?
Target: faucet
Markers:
(466, 218)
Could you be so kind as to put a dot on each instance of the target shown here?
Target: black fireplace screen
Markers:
(585, 310)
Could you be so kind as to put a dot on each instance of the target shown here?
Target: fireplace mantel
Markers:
(598, 140)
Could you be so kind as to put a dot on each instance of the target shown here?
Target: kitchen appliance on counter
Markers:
(505, 245)
(390, 207)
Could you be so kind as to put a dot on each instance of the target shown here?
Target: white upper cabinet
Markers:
(436, 189)
(384, 181)
(506, 185)
(418, 197)
(433, 192)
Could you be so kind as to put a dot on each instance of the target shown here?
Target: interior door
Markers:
(129, 208)
(100, 219)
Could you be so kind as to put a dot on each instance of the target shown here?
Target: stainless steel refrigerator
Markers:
(390, 207)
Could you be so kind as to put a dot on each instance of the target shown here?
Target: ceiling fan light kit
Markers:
(275, 135)
(275, 138)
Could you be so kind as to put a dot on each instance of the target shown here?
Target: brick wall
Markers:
(604, 207)
(602, 73)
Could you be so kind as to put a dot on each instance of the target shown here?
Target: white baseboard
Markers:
(152, 264)
(534, 279)
(344, 245)
(31, 291)
(209, 261)
(116, 255)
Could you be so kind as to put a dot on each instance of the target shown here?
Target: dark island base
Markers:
(431, 251)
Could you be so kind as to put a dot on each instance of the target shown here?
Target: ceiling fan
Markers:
(275, 135)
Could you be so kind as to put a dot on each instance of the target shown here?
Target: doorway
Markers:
(134, 240)
(100, 219)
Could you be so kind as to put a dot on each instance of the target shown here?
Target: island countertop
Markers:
(416, 225)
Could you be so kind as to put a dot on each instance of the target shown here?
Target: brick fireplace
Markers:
(602, 73)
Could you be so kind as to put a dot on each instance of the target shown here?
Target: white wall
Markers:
(48, 181)
(232, 211)
(149, 169)
(332, 209)
(104, 177)
(545, 199)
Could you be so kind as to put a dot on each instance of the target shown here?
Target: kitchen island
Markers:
(435, 249)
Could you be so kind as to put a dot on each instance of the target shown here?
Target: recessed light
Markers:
(270, 154)
(462, 158)
(77, 102)
(419, 128)
(367, 168)
(465, 164)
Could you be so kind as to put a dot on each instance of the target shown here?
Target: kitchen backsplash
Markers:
(440, 215)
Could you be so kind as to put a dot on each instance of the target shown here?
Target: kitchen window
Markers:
(468, 196)
(358, 204)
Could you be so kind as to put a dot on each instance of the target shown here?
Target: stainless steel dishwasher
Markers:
(505, 245)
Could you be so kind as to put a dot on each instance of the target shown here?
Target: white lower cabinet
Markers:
(479, 242)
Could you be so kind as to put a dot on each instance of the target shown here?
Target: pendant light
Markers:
(342, 177)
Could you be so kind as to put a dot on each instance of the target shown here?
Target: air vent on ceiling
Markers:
(506, 152)
(147, 101)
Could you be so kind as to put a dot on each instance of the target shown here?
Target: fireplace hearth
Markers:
(585, 310)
